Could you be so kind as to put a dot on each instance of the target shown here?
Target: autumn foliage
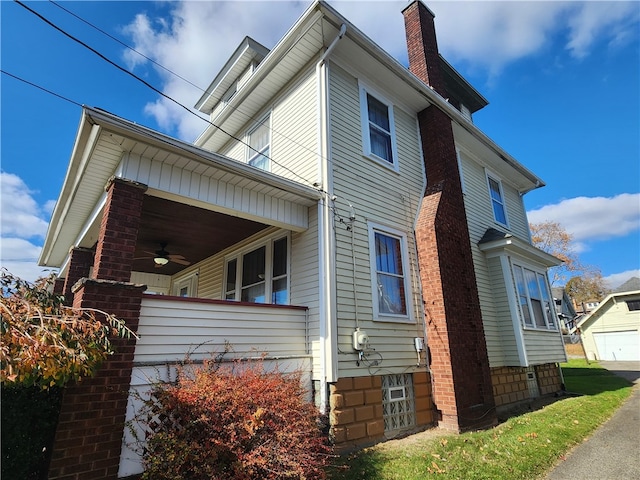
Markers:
(233, 423)
(44, 342)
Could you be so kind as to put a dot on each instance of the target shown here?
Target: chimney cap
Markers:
(411, 2)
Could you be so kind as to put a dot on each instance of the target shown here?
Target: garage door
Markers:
(618, 346)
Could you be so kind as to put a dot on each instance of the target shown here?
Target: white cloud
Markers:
(198, 37)
(593, 218)
(616, 279)
(22, 226)
(21, 215)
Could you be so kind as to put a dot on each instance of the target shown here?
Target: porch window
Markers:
(260, 275)
(535, 306)
(497, 200)
(389, 275)
(378, 135)
(259, 141)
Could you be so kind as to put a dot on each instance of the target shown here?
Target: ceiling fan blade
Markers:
(172, 256)
(180, 261)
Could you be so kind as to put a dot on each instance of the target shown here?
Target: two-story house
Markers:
(340, 213)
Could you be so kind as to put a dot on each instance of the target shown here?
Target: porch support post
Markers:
(80, 264)
(119, 230)
(91, 425)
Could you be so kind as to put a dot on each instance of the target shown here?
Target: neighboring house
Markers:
(565, 311)
(612, 330)
(632, 284)
(341, 214)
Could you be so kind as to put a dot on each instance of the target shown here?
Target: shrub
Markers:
(235, 423)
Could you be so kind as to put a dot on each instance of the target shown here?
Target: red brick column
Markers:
(80, 264)
(119, 230)
(460, 371)
(91, 423)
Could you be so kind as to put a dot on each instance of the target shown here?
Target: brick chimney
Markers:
(462, 389)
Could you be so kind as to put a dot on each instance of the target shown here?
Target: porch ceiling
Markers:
(192, 232)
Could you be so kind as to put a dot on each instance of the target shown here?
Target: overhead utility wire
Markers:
(125, 45)
(159, 91)
(235, 108)
(41, 88)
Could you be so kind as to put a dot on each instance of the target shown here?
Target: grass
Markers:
(523, 447)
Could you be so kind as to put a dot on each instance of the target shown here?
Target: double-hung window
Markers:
(259, 275)
(259, 141)
(497, 200)
(389, 274)
(534, 301)
(378, 132)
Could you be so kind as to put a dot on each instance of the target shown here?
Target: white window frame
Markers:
(269, 278)
(365, 127)
(402, 237)
(186, 283)
(502, 202)
(550, 317)
(251, 153)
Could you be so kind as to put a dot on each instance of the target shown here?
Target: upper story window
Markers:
(260, 275)
(534, 298)
(389, 274)
(259, 141)
(378, 131)
(497, 199)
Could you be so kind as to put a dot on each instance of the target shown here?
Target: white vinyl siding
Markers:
(381, 196)
(293, 132)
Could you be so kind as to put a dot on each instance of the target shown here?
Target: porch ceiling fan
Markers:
(162, 257)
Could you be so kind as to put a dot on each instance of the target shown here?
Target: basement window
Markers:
(398, 404)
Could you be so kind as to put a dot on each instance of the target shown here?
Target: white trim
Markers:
(188, 281)
(409, 317)
(514, 309)
(365, 127)
(251, 154)
(498, 180)
(460, 171)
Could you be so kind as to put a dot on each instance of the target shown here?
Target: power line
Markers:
(159, 92)
(234, 108)
(41, 88)
(125, 45)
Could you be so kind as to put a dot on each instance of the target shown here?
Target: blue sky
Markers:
(562, 79)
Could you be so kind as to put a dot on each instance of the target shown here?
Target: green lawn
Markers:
(523, 447)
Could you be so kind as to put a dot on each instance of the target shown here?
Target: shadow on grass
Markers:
(591, 380)
(364, 464)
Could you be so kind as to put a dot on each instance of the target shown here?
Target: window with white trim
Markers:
(534, 300)
(378, 131)
(259, 141)
(497, 199)
(259, 275)
(389, 274)
(186, 285)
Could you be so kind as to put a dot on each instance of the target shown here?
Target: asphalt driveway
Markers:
(613, 451)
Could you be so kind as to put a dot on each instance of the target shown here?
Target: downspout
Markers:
(327, 267)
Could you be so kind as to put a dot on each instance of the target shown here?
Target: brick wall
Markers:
(356, 414)
(91, 423)
(509, 385)
(549, 379)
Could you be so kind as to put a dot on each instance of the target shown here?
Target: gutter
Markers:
(327, 262)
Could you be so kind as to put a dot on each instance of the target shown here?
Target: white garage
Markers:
(618, 346)
(612, 330)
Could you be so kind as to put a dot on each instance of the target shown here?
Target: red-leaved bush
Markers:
(237, 423)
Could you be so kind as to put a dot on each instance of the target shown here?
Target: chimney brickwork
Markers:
(462, 388)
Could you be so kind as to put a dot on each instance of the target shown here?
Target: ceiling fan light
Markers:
(161, 260)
